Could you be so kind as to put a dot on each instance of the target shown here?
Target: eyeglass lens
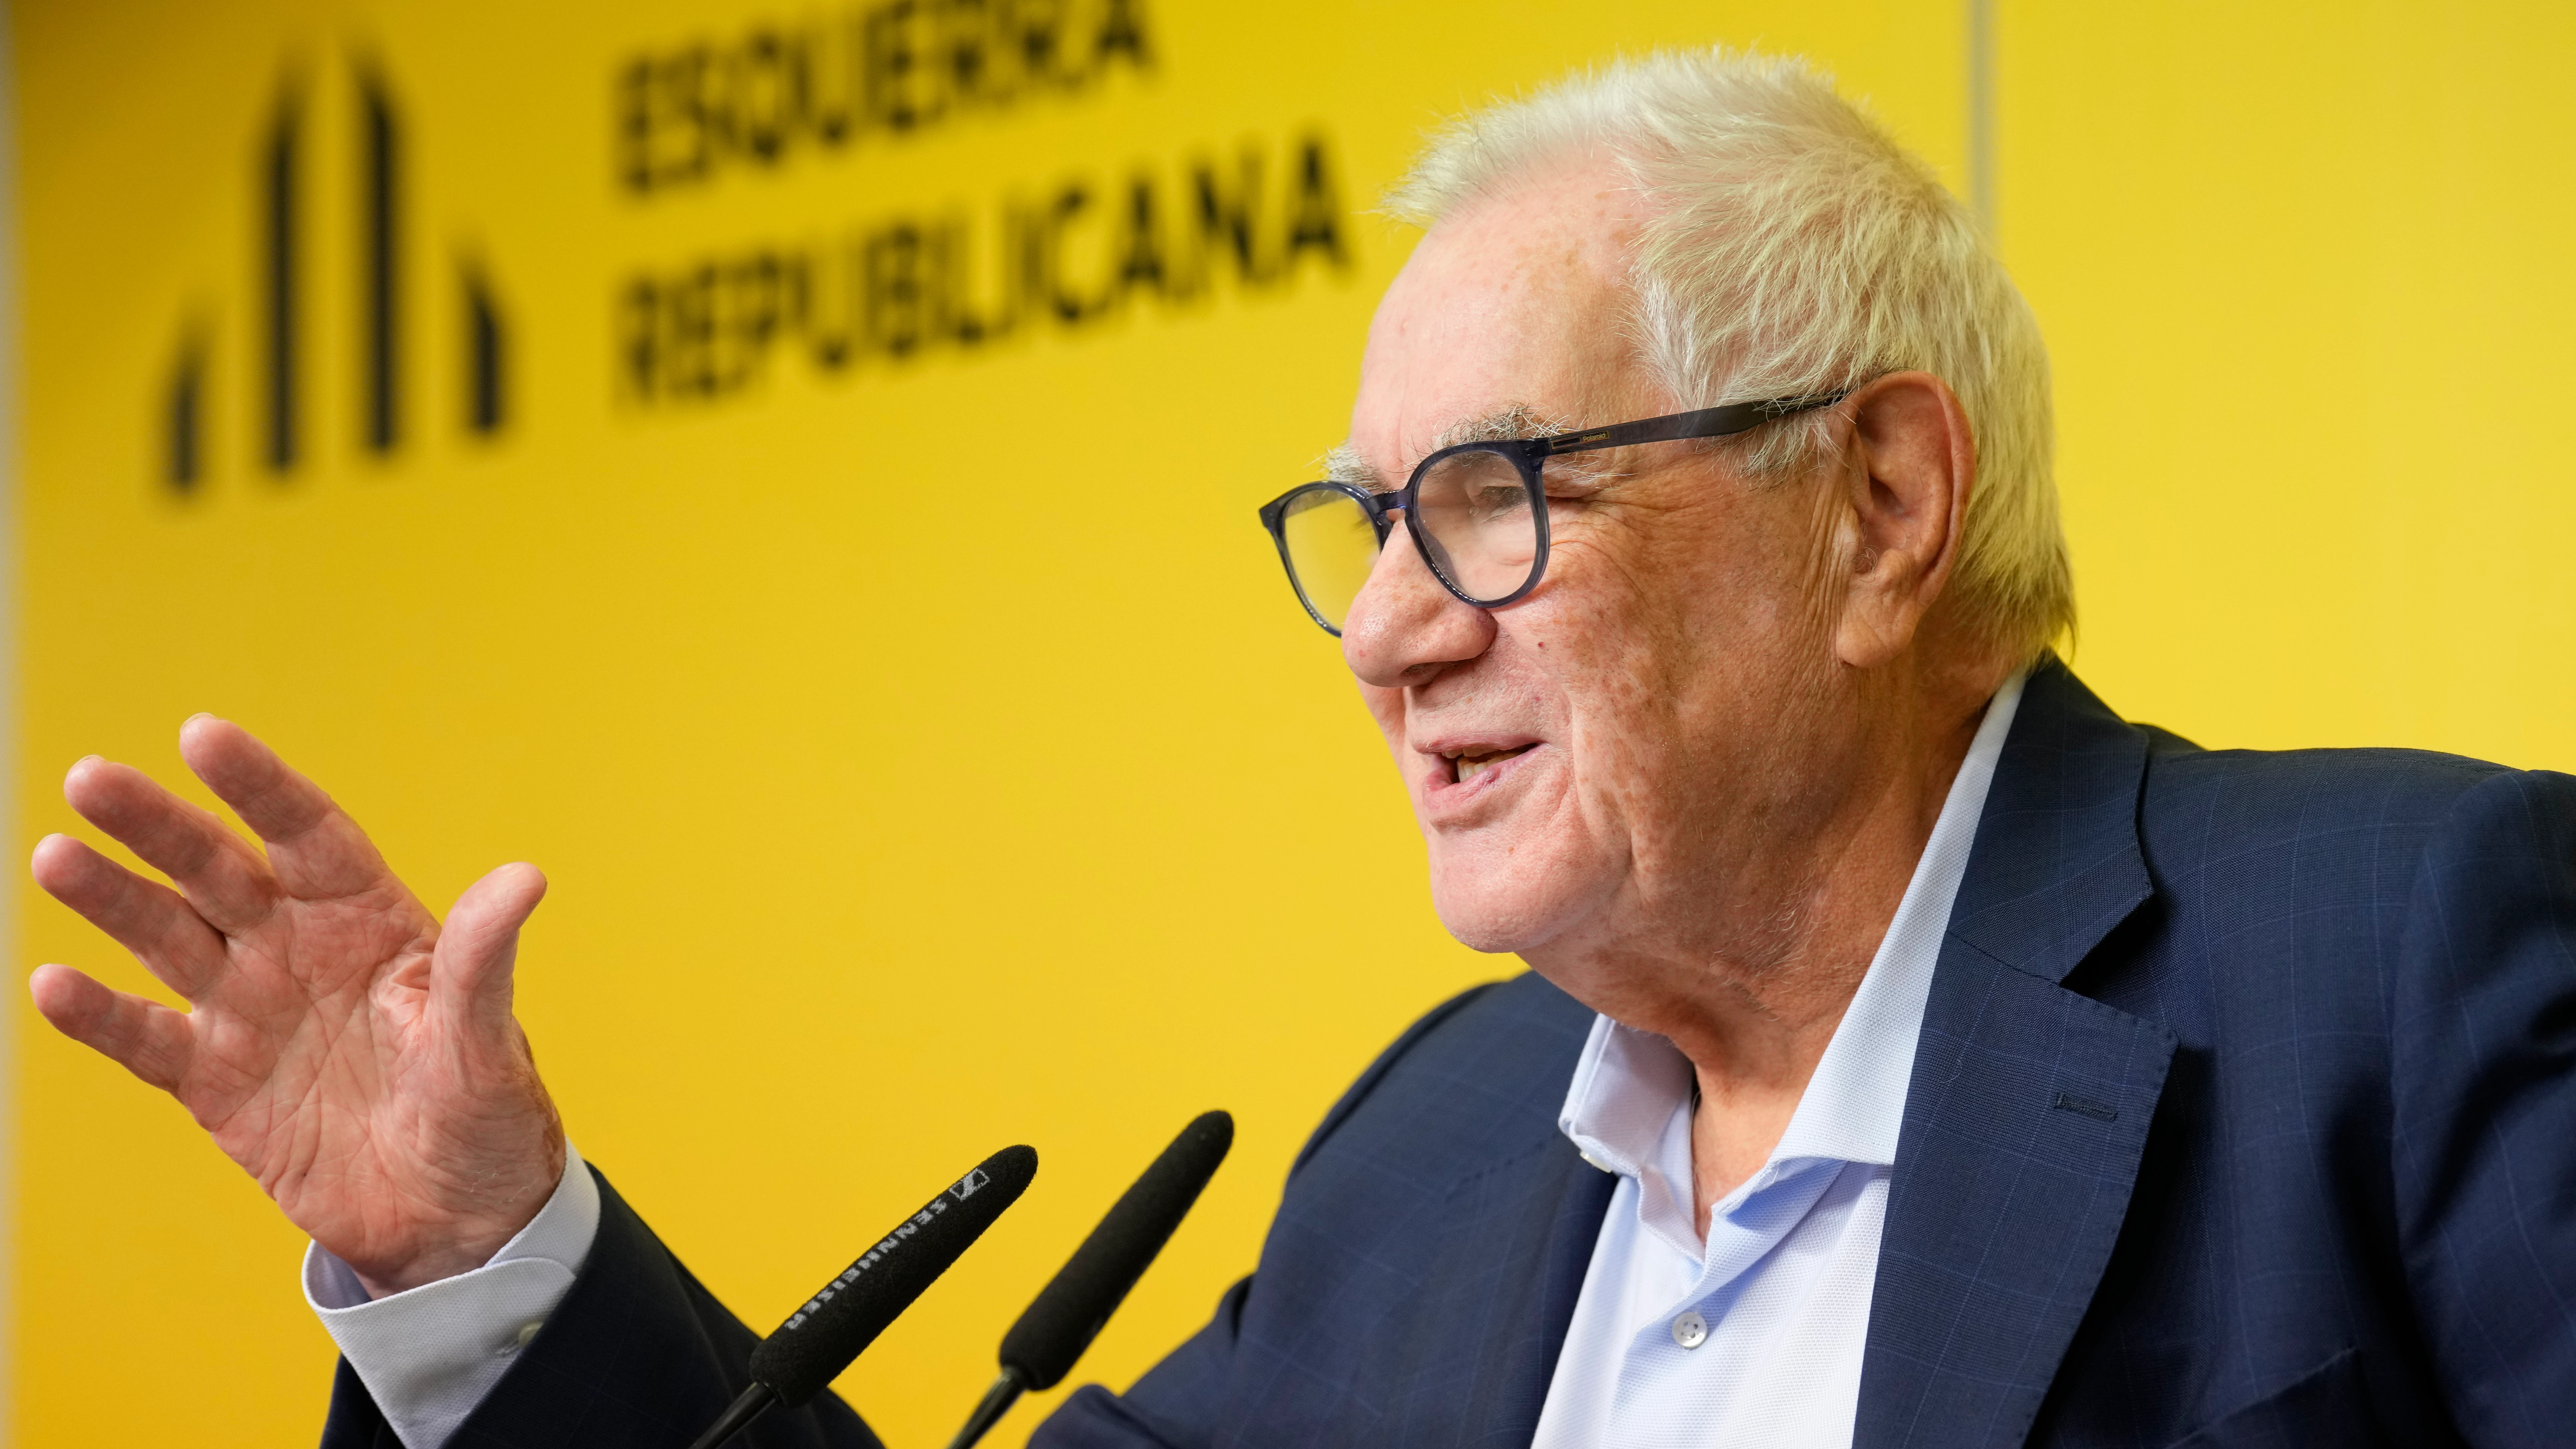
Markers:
(1472, 518)
(1331, 548)
(1472, 514)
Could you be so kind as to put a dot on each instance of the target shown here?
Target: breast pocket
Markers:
(2326, 1407)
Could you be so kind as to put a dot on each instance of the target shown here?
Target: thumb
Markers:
(469, 977)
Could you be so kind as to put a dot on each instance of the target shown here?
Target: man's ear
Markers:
(1908, 475)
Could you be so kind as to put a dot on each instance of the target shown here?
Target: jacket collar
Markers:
(2028, 1108)
(2057, 862)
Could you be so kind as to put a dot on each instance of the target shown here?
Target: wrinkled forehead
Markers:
(1510, 310)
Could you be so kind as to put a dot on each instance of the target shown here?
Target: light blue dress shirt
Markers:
(1754, 1336)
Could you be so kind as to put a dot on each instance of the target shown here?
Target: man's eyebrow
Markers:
(1344, 464)
(1517, 420)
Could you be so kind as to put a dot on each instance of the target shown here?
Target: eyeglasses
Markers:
(1477, 511)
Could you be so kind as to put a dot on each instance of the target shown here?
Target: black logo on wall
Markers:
(281, 426)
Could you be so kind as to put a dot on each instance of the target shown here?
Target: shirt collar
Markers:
(1629, 1084)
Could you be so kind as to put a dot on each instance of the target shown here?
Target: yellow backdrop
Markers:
(788, 470)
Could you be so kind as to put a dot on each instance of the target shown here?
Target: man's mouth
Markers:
(1468, 764)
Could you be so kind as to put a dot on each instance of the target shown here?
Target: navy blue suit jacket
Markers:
(2244, 1114)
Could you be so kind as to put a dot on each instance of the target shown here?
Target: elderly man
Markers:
(1914, 1053)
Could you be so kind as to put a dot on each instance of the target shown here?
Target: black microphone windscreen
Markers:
(1042, 1347)
(820, 1339)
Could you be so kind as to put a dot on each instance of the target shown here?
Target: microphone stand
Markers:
(749, 1406)
(998, 1399)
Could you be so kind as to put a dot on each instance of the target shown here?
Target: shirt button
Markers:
(1690, 1330)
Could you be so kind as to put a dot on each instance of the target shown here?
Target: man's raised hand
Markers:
(353, 1055)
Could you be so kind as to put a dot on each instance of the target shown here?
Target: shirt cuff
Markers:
(428, 1355)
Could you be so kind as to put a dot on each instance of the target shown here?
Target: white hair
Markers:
(1788, 245)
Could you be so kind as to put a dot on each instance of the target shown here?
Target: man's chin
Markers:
(1497, 913)
(1476, 936)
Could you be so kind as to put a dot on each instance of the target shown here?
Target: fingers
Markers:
(221, 874)
(470, 975)
(147, 919)
(146, 1038)
(316, 851)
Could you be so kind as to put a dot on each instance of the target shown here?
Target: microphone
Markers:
(1068, 1313)
(818, 1340)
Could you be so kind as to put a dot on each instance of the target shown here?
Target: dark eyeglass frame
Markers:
(1529, 455)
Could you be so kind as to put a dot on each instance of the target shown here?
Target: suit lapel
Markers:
(2029, 1103)
(1461, 1358)
(1506, 1327)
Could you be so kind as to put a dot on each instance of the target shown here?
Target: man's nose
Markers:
(1404, 627)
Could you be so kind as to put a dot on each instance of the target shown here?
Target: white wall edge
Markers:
(1981, 112)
